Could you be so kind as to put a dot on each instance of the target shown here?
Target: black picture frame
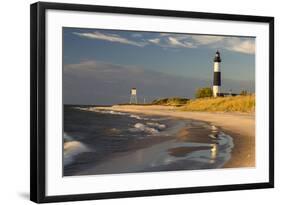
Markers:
(38, 101)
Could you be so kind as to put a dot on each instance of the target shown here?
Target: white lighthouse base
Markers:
(216, 90)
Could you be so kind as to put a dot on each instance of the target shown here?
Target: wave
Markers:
(93, 109)
(139, 127)
(139, 117)
(66, 137)
(109, 112)
(72, 148)
(157, 125)
(120, 113)
(151, 128)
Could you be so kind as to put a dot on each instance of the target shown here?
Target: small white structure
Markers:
(133, 97)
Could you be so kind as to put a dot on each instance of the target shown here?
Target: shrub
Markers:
(170, 101)
(204, 92)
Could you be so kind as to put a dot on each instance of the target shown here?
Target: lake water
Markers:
(109, 142)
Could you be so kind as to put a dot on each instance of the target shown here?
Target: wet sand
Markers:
(241, 127)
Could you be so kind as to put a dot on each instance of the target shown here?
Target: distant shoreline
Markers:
(241, 126)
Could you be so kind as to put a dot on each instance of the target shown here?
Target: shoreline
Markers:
(240, 126)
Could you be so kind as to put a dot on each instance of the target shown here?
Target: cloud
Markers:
(172, 41)
(241, 46)
(110, 37)
(169, 40)
(155, 40)
(204, 40)
(175, 42)
(236, 44)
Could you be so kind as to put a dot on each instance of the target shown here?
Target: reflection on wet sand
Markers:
(213, 152)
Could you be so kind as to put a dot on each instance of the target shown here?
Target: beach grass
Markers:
(222, 104)
(173, 101)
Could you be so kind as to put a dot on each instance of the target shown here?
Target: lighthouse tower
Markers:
(217, 75)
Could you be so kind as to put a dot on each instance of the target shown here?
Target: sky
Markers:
(100, 66)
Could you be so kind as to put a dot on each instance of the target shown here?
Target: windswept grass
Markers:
(174, 101)
(222, 104)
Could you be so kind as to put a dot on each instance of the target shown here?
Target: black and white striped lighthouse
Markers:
(217, 75)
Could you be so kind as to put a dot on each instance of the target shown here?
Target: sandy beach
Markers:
(241, 126)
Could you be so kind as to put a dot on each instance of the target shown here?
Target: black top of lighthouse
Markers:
(217, 57)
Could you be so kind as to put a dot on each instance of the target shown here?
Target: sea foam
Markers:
(72, 148)
(157, 125)
(93, 109)
(150, 128)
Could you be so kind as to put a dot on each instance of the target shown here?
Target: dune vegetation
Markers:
(174, 101)
(222, 104)
(241, 103)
